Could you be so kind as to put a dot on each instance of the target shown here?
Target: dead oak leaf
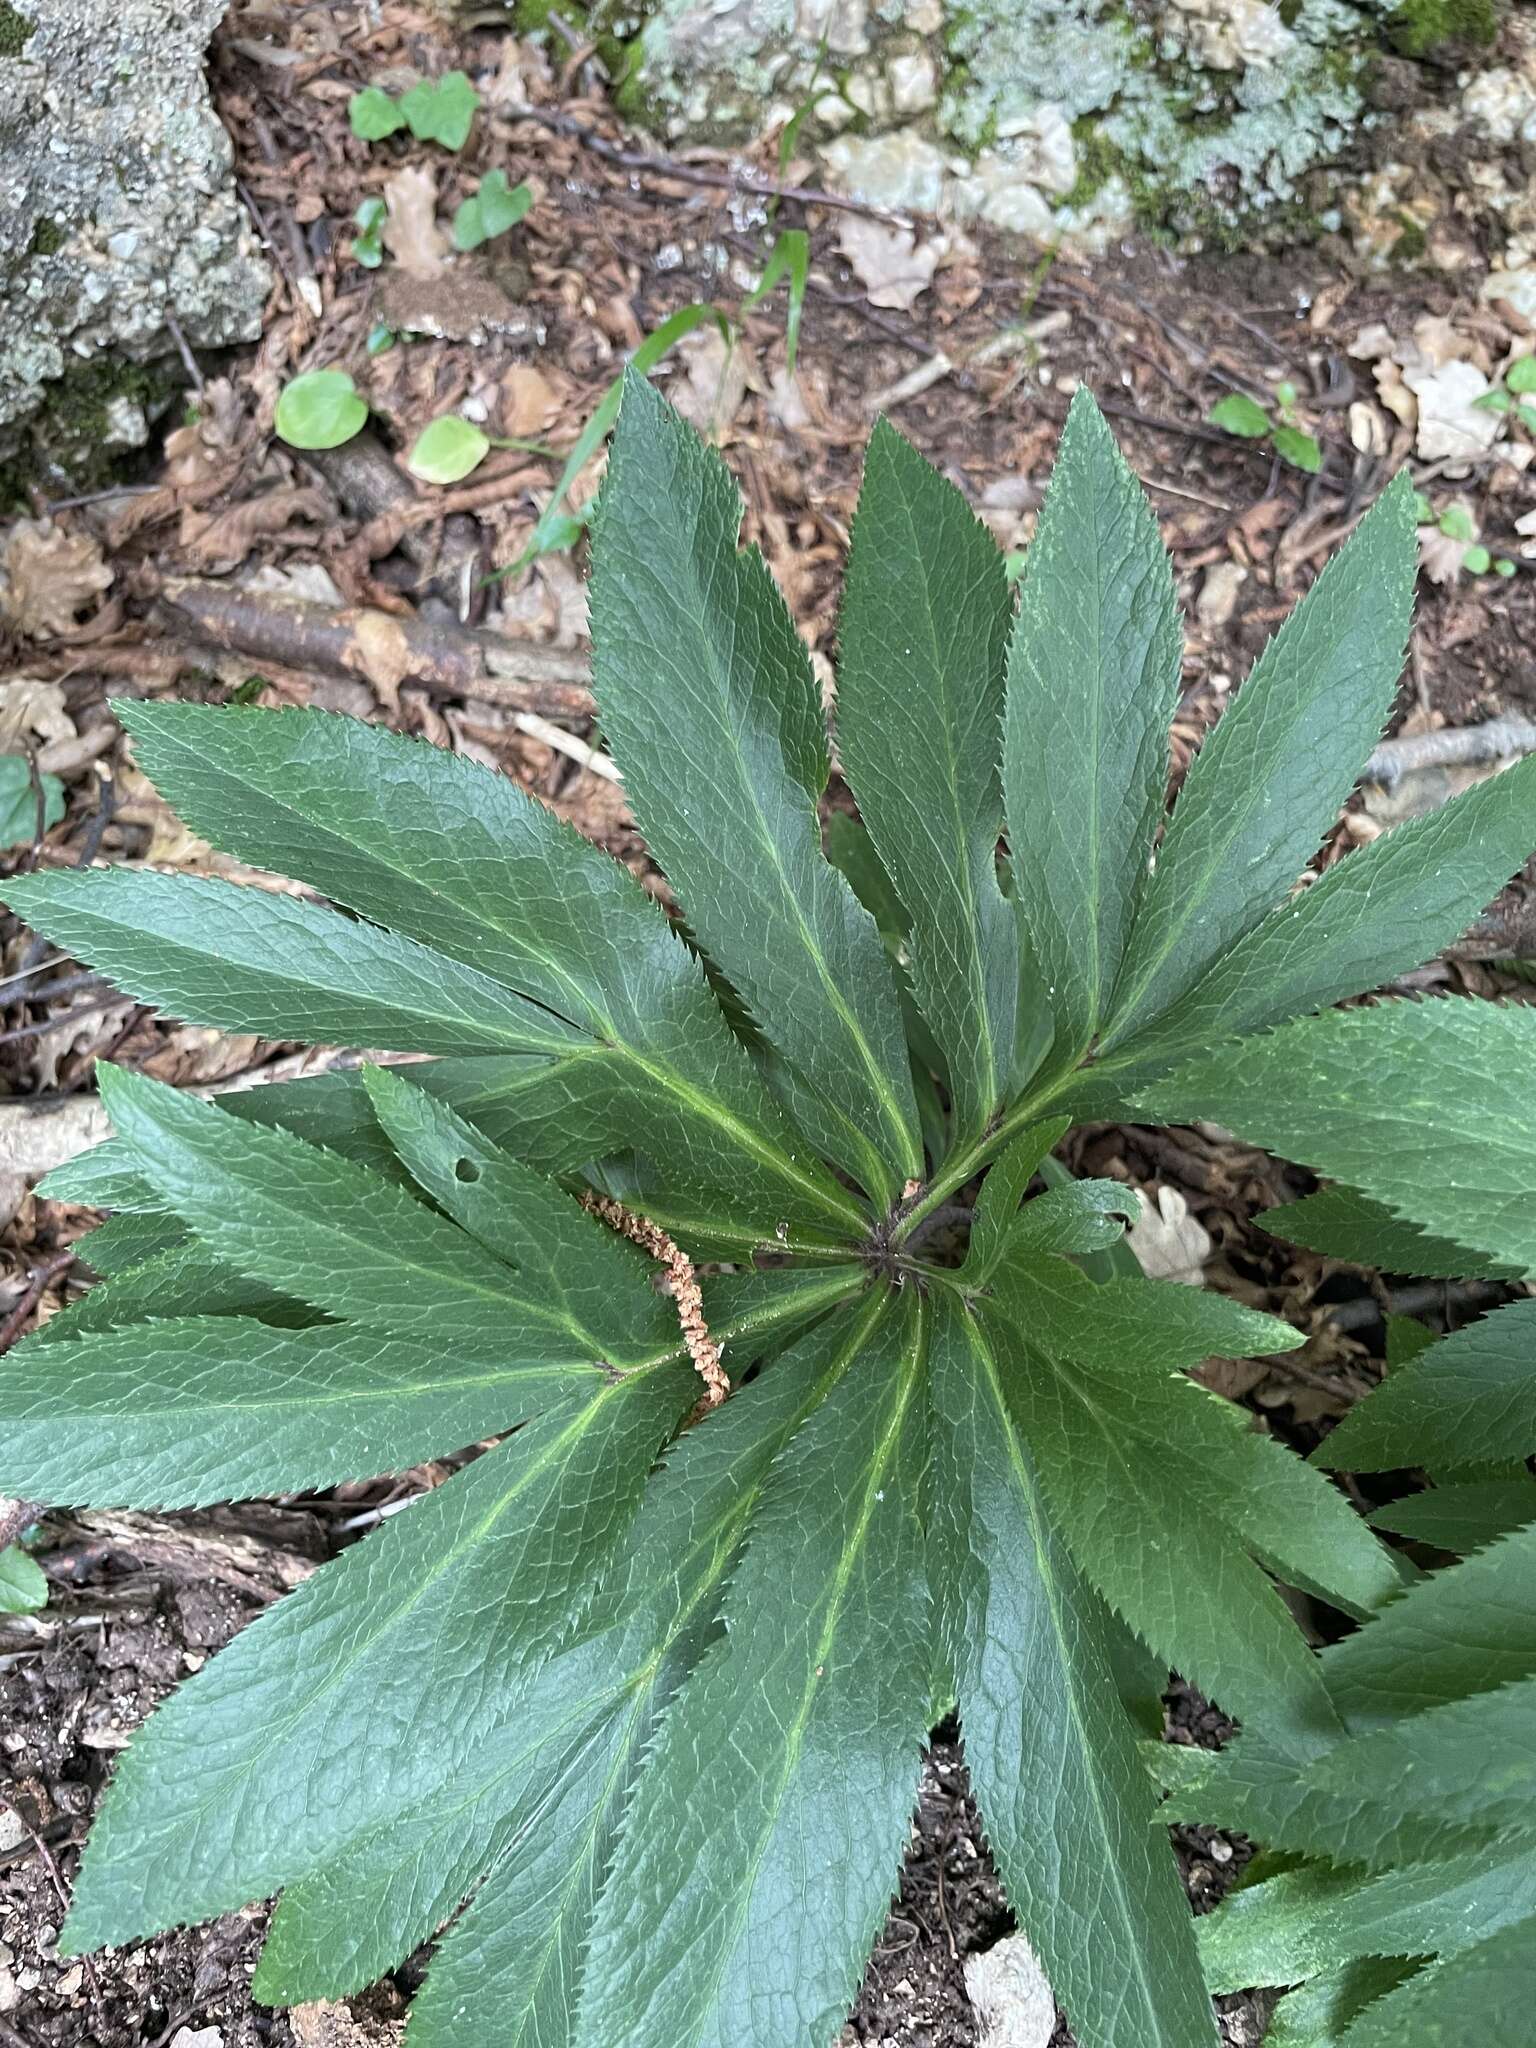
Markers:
(411, 233)
(48, 577)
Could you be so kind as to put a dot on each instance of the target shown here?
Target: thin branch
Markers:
(727, 179)
(1455, 746)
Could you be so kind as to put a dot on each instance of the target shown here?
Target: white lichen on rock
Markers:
(1050, 115)
(118, 210)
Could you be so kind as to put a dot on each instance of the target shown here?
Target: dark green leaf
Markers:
(1423, 1106)
(997, 1206)
(1468, 1629)
(309, 1726)
(1468, 1398)
(1052, 1758)
(754, 1872)
(548, 1776)
(1345, 1225)
(352, 1244)
(1093, 676)
(1372, 917)
(1269, 781)
(919, 713)
(1462, 1516)
(1124, 1447)
(211, 1408)
(359, 812)
(1306, 1921)
(244, 959)
(1496, 1982)
(1471, 1761)
(710, 707)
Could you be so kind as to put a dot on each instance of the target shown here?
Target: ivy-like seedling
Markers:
(1247, 420)
(491, 211)
(631, 1703)
(319, 409)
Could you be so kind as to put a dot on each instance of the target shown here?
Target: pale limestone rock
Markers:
(896, 171)
(914, 83)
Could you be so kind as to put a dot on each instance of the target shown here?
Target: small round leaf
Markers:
(321, 409)
(1240, 415)
(1521, 375)
(1300, 450)
(373, 114)
(447, 451)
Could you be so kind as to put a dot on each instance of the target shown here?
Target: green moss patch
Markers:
(1419, 27)
(15, 30)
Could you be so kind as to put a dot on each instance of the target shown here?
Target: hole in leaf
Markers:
(465, 1170)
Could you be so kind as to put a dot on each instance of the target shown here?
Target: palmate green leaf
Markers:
(1471, 1761)
(1373, 916)
(1423, 1106)
(1093, 676)
(997, 1206)
(1125, 1447)
(124, 1241)
(1052, 1757)
(1269, 781)
(756, 1866)
(1494, 1982)
(180, 1281)
(310, 1725)
(175, 1414)
(243, 959)
(452, 855)
(1254, 1787)
(922, 642)
(1316, 2015)
(1462, 1516)
(1465, 1630)
(1470, 1397)
(710, 707)
(543, 1788)
(1343, 1224)
(352, 1244)
(1306, 1922)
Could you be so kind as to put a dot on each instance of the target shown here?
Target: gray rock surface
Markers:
(117, 203)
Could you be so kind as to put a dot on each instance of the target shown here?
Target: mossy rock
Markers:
(1418, 28)
(15, 30)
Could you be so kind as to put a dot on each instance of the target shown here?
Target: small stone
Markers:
(913, 82)
(204, 2037)
(901, 170)
(1015, 2007)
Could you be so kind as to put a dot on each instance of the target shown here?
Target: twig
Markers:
(733, 179)
(687, 1295)
(25, 1031)
(383, 648)
(568, 744)
(1457, 746)
(37, 1280)
(1414, 1300)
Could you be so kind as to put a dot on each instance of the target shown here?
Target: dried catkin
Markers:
(686, 1292)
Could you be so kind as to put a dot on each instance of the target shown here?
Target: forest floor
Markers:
(134, 592)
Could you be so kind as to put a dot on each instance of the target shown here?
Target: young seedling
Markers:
(1514, 393)
(319, 409)
(367, 243)
(440, 110)
(1456, 524)
(490, 211)
(631, 1703)
(1249, 421)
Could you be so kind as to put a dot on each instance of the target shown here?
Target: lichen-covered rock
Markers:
(118, 211)
(1075, 117)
